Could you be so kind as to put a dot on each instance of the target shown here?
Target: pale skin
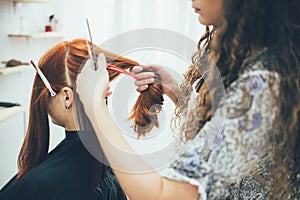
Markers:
(143, 185)
(60, 109)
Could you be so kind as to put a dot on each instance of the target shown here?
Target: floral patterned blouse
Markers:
(220, 159)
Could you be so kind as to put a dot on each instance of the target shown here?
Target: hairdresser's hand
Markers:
(169, 79)
(92, 85)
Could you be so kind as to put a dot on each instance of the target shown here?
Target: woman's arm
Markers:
(137, 179)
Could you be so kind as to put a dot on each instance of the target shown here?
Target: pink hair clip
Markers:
(44, 79)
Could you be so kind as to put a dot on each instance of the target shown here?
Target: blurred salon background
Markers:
(29, 27)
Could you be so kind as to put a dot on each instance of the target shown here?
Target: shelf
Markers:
(13, 70)
(8, 112)
(37, 35)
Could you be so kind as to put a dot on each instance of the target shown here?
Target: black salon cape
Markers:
(62, 176)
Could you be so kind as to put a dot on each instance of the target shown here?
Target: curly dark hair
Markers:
(250, 25)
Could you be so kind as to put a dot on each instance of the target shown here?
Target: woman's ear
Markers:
(68, 97)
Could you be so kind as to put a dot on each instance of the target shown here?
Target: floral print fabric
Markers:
(236, 142)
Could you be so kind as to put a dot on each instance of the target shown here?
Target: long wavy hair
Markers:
(249, 25)
(61, 64)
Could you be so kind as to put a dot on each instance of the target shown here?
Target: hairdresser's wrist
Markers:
(172, 92)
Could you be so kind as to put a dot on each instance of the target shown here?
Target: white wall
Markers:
(108, 19)
(17, 87)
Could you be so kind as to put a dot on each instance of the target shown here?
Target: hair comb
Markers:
(120, 70)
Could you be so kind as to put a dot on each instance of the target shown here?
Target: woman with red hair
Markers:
(69, 171)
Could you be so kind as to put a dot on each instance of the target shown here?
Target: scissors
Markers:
(92, 55)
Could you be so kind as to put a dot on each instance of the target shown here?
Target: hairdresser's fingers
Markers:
(83, 83)
(144, 82)
(101, 61)
(108, 92)
(142, 88)
(88, 65)
(87, 71)
(89, 74)
(91, 80)
(101, 70)
(136, 69)
(146, 75)
(151, 67)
